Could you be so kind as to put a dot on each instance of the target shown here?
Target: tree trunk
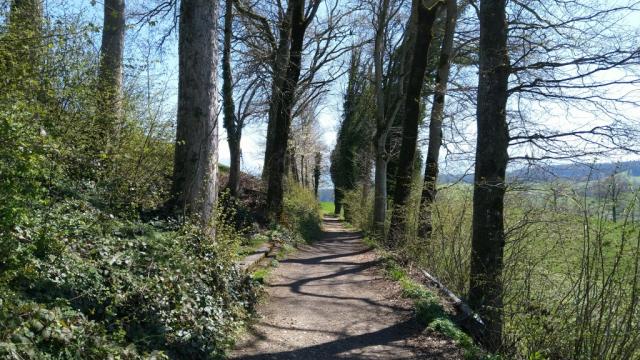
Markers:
(275, 190)
(380, 191)
(425, 19)
(302, 174)
(382, 125)
(234, 131)
(430, 179)
(235, 154)
(291, 166)
(338, 196)
(111, 68)
(488, 239)
(280, 61)
(194, 187)
(317, 173)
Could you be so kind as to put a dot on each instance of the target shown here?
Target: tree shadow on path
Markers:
(327, 303)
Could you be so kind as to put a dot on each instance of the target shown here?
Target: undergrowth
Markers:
(102, 287)
(301, 218)
(431, 314)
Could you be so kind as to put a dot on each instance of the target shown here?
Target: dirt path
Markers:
(328, 301)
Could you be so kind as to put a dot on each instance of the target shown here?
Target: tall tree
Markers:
(389, 89)
(283, 113)
(488, 238)
(430, 179)
(111, 68)
(234, 131)
(194, 187)
(279, 69)
(383, 123)
(317, 172)
(426, 16)
(354, 136)
(26, 20)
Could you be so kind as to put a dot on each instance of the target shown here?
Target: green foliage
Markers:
(430, 313)
(569, 270)
(106, 287)
(394, 271)
(351, 157)
(260, 275)
(82, 276)
(23, 147)
(360, 205)
(428, 310)
(301, 214)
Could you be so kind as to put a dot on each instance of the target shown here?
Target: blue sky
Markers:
(166, 69)
(165, 75)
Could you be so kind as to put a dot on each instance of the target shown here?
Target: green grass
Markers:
(370, 242)
(261, 275)
(430, 313)
(328, 207)
(285, 251)
(252, 244)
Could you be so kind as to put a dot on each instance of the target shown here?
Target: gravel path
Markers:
(329, 301)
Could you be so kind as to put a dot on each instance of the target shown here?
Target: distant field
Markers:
(328, 207)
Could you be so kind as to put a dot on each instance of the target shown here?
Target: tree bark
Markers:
(430, 179)
(111, 68)
(488, 239)
(194, 187)
(303, 179)
(382, 125)
(291, 165)
(282, 125)
(280, 65)
(317, 173)
(338, 196)
(425, 19)
(235, 155)
(234, 131)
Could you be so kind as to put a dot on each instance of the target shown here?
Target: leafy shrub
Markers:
(360, 209)
(105, 287)
(301, 213)
(81, 276)
(569, 270)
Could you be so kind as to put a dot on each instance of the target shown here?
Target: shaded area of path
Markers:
(328, 302)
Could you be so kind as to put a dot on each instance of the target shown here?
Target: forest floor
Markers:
(330, 300)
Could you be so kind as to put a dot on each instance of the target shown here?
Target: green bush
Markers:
(109, 287)
(301, 213)
(360, 209)
(81, 275)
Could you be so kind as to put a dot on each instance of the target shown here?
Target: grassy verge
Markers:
(430, 313)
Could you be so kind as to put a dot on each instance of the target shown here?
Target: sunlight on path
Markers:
(326, 302)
